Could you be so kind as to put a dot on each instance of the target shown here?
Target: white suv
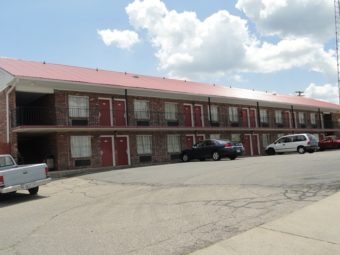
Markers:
(290, 143)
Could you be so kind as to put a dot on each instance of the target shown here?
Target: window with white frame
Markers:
(263, 116)
(141, 109)
(301, 118)
(278, 117)
(214, 113)
(236, 137)
(81, 146)
(215, 136)
(171, 111)
(233, 114)
(78, 106)
(265, 140)
(174, 143)
(144, 144)
(313, 118)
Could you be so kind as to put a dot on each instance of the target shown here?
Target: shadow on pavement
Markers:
(16, 198)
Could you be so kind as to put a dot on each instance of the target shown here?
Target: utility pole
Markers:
(337, 39)
(299, 93)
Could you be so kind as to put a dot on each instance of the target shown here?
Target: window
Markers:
(81, 146)
(174, 144)
(263, 116)
(144, 144)
(141, 109)
(233, 114)
(215, 136)
(78, 106)
(6, 161)
(171, 111)
(213, 112)
(285, 140)
(278, 117)
(236, 137)
(299, 138)
(279, 135)
(313, 118)
(301, 118)
(265, 140)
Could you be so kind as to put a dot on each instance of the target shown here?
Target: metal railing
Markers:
(48, 116)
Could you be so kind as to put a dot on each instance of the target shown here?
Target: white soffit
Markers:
(5, 79)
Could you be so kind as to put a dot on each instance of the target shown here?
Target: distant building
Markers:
(78, 117)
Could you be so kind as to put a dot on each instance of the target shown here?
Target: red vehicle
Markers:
(330, 142)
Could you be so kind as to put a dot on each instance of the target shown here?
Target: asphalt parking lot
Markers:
(167, 209)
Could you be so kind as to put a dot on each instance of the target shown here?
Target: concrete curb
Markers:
(313, 230)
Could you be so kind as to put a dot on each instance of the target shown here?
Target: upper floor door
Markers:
(244, 117)
(104, 112)
(252, 117)
(120, 112)
(198, 116)
(187, 115)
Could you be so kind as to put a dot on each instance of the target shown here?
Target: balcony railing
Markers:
(45, 116)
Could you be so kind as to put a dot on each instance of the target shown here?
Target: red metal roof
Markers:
(93, 77)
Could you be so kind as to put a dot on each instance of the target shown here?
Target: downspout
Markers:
(293, 117)
(258, 114)
(209, 103)
(126, 107)
(7, 110)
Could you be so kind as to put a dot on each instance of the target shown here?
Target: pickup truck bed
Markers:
(24, 177)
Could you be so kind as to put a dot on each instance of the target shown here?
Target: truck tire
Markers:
(33, 191)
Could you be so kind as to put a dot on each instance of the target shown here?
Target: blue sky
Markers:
(268, 45)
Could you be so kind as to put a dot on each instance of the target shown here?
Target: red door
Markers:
(122, 157)
(255, 145)
(198, 116)
(187, 116)
(199, 138)
(244, 118)
(286, 119)
(189, 141)
(246, 145)
(252, 118)
(106, 151)
(119, 111)
(104, 112)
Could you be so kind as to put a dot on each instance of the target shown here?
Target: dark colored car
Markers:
(213, 148)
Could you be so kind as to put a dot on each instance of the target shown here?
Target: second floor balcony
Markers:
(99, 118)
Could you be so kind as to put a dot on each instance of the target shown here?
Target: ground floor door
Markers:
(251, 145)
(121, 151)
(200, 138)
(106, 151)
(189, 141)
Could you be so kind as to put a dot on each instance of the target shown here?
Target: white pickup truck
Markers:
(24, 177)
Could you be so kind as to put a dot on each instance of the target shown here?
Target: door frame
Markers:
(248, 116)
(202, 115)
(258, 144)
(199, 135)
(289, 118)
(193, 138)
(128, 148)
(191, 113)
(125, 113)
(113, 147)
(110, 99)
(255, 117)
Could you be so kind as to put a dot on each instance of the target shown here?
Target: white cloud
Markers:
(292, 53)
(222, 44)
(298, 18)
(326, 92)
(123, 39)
